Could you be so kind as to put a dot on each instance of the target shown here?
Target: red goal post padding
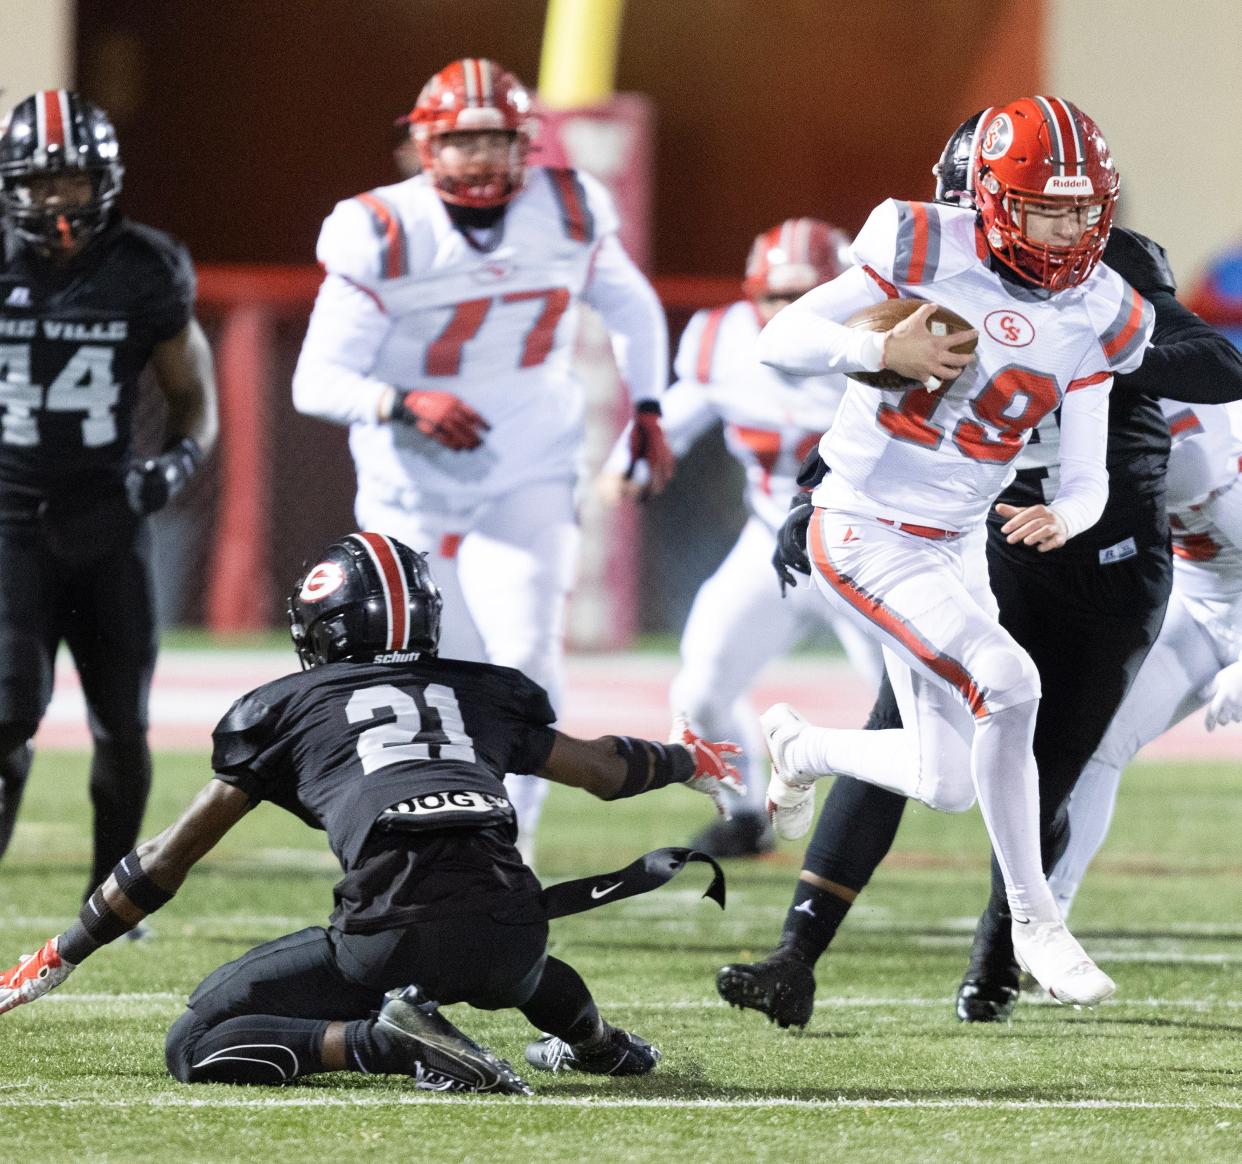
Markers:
(246, 306)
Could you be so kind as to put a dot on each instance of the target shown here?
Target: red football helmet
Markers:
(1043, 153)
(473, 95)
(792, 258)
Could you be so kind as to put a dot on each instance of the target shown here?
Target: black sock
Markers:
(14, 768)
(812, 921)
(120, 783)
(363, 1050)
(562, 1006)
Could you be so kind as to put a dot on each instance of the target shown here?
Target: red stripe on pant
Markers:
(892, 623)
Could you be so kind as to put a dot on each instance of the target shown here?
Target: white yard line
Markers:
(187, 1101)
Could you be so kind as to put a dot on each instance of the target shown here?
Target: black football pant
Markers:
(98, 597)
(261, 1019)
(1088, 628)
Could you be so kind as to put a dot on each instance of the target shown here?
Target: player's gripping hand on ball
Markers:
(34, 976)
(911, 350)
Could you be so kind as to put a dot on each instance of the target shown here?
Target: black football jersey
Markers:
(424, 744)
(73, 341)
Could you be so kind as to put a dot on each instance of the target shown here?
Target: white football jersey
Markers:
(771, 420)
(939, 459)
(410, 302)
(1204, 462)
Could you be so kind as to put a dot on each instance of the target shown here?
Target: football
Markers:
(886, 315)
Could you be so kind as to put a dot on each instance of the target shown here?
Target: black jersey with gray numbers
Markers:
(347, 746)
(73, 341)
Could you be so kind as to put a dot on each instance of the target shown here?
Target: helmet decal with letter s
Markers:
(1043, 156)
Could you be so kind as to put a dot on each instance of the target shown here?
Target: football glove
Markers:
(34, 976)
(1226, 704)
(441, 416)
(790, 553)
(713, 773)
(647, 444)
(153, 483)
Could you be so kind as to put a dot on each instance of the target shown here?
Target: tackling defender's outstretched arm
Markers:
(144, 881)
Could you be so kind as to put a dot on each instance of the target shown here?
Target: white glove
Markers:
(34, 976)
(713, 773)
(1226, 704)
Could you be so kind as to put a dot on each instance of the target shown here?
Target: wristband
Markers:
(649, 765)
(137, 886)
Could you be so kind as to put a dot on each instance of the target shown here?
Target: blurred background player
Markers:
(399, 755)
(1195, 660)
(443, 335)
(914, 475)
(87, 301)
(738, 621)
(1084, 673)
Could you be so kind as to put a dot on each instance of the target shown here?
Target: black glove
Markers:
(153, 483)
(790, 552)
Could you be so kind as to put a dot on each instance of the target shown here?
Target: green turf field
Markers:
(884, 1072)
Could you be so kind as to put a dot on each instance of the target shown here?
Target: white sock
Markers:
(1007, 782)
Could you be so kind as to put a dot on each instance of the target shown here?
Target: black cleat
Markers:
(621, 1053)
(781, 987)
(425, 1045)
(981, 1001)
(748, 834)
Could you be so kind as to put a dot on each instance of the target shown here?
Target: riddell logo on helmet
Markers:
(1076, 185)
(324, 579)
(396, 657)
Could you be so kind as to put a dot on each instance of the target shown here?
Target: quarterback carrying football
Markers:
(914, 474)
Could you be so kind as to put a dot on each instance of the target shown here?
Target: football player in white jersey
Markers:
(1195, 660)
(739, 621)
(913, 472)
(443, 335)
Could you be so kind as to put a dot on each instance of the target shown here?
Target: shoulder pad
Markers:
(586, 208)
(915, 243)
(168, 281)
(246, 729)
(1140, 261)
(696, 350)
(363, 240)
(1122, 319)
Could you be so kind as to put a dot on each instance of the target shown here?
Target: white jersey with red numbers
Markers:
(410, 301)
(771, 420)
(938, 459)
(1205, 474)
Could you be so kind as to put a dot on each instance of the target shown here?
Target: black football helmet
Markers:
(369, 599)
(57, 132)
(953, 177)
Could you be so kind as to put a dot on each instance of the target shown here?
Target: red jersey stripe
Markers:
(707, 345)
(883, 283)
(1087, 381)
(573, 212)
(918, 257)
(1133, 320)
(888, 620)
(393, 265)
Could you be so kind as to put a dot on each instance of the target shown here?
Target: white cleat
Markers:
(1052, 956)
(791, 792)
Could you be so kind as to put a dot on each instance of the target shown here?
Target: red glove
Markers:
(647, 443)
(713, 773)
(33, 976)
(443, 417)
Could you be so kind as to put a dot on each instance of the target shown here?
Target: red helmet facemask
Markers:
(1043, 153)
(795, 256)
(473, 96)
